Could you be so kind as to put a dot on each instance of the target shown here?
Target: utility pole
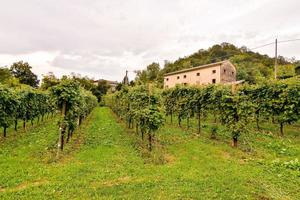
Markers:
(275, 67)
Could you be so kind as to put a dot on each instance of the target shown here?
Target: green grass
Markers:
(103, 162)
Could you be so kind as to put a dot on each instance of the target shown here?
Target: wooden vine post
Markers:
(62, 128)
(236, 119)
(149, 132)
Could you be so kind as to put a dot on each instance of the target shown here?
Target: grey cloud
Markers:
(104, 38)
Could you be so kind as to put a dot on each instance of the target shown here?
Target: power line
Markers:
(258, 47)
(283, 41)
(261, 46)
(292, 40)
(264, 45)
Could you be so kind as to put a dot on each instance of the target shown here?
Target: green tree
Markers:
(153, 71)
(286, 71)
(5, 75)
(49, 80)
(151, 74)
(101, 89)
(141, 76)
(84, 81)
(22, 71)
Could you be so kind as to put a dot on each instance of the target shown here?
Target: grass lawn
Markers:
(103, 161)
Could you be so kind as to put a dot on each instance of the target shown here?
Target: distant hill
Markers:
(251, 66)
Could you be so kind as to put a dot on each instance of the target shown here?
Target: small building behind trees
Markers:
(112, 84)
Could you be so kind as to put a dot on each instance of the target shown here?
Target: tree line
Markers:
(20, 73)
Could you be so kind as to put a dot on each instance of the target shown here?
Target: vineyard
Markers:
(73, 103)
(146, 100)
(234, 107)
(210, 142)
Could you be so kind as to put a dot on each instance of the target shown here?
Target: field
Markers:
(105, 160)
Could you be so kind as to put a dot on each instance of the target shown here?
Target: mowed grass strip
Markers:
(101, 162)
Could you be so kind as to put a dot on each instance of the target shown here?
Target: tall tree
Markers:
(5, 75)
(84, 81)
(151, 74)
(286, 71)
(22, 71)
(49, 80)
(101, 89)
(153, 71)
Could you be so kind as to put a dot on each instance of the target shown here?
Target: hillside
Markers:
(251, 66)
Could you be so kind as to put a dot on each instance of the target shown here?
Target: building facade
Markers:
(215, 73)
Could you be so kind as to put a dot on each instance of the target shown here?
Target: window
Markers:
(214, 71)
(224, 70)
(184, 83)
(167, 79)
(198, 74)
(232, 73)
(178, 77)
(214, 80)
(184, 76)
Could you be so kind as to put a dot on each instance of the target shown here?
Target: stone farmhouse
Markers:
(223, 72)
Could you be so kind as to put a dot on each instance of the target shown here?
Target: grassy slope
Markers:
(106, 166)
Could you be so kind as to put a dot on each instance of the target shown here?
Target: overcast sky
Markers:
(103, 38)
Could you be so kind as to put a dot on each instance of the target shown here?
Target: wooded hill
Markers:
(252, 66)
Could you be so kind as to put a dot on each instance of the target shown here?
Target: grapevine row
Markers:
(139, 106)
(73, 102)
(23, 105)
(236, 107)
(232, 106)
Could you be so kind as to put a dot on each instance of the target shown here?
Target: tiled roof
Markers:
(196, 68)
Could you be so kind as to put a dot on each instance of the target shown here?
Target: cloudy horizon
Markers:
(103, 39)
